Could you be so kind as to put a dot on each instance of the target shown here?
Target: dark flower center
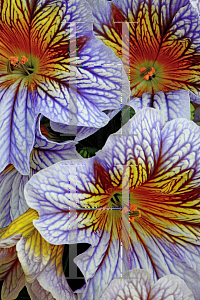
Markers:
(116, 202)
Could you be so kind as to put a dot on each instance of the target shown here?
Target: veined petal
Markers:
(80, 132)
(18, 204)
(64, 72)
(57, 17)
(138, 147)
(104, 251)
(173, 104)
(138, 284)
(13, 283)
(44, 154)
(195, 4)
(43, 262)
(17, 125)
(36, 292)
(163, 34)
(81, 113)
(90, 261)
(10, 270)
(67, 232)
(6, 180)
(162, 237)
(143, 253)
(64, 183)
(179, 157)
(38, 261)
(8, 257)
(21, 226)
(137, 103)
(104, 80)
(29, 28)
(98, 83)
(171, 285)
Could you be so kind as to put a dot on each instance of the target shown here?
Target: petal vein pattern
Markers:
(27, 259)
(173, 104)
(41, 73)
(163, 38)
(136, 284)
(44, 154)
(156, 226)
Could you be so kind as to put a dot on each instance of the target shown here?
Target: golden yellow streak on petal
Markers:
(36, 246)
(22, 225)
(39, 248)
(8, 169)
(59, 267)
(174, 182)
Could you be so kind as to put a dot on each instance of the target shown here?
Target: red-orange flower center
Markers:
(13, 60)
(147, 73)
(134, 212)
(23, 60)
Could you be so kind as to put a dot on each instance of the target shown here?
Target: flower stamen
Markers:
(14, 65)
(23, 60)
(148, 73)
(134, 212)
(13, 60)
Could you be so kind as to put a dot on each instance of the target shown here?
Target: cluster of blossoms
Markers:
(75, 64)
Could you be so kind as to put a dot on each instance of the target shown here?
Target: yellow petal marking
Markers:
(23, 225)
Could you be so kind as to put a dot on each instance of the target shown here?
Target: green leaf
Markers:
(192, 109)
(127, 114)
(87, 152)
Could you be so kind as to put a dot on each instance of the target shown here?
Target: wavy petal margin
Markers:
(137, 284)
(164, 35)
(70, 76)
(26, 258)
(173, 104)
(44, 154)
(80, 132)
(17, 127)
(164, 185)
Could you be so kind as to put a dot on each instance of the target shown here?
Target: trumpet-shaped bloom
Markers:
(44, 154)
(137, 203)
(136, 284)
(51, 63)
(27, 259)
(164, 41)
